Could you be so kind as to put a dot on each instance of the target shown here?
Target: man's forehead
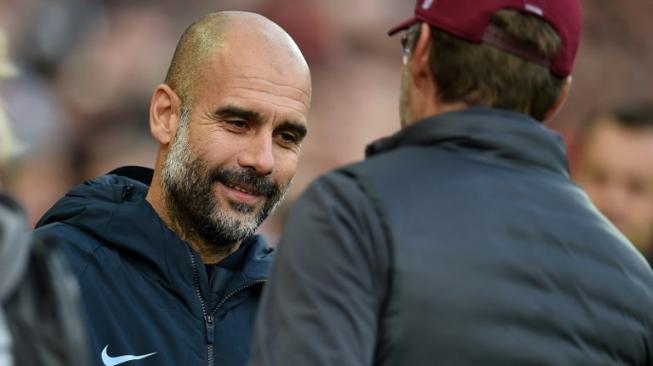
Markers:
(224, 76)
(253, 62)
(260, 95)
(292, 88)
(254, 77)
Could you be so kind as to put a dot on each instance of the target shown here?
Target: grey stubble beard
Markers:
(190, 203)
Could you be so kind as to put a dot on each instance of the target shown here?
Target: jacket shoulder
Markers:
(78, 246)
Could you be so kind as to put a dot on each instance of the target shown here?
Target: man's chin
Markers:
(243, 209)
(227, 228)
(243, 219)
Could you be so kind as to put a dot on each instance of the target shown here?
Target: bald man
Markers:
(170, 269)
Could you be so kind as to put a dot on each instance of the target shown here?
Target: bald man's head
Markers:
(230, 121)
(217, 31)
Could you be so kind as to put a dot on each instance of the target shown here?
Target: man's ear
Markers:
(562, 97)
(165, 110)
(419, 64)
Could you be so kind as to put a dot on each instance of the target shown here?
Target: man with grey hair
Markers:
(169, 265)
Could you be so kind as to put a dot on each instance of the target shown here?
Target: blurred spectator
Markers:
(40, 323)
(38, 121)
(10, 148)
(614, 164)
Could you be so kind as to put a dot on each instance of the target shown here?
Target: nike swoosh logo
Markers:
(112, 361)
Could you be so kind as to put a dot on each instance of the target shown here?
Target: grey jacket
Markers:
(459, 241)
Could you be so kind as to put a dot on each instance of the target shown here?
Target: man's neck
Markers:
(208, 253)
(435, 108)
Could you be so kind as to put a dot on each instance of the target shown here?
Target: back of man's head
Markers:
(507, 54)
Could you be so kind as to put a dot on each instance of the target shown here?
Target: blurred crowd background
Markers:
(88, 68)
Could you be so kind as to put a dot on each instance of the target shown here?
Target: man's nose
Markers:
(258, 155)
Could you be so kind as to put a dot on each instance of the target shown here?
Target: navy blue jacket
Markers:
(146, 292)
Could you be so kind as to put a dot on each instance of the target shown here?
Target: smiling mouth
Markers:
(242, 189)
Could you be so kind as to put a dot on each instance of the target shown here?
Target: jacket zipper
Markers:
(208, 318)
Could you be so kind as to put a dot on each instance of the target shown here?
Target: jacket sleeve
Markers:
(322, 303)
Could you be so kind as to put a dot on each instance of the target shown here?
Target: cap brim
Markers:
(403, 25)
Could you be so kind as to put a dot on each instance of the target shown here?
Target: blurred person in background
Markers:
(614, 164)
(40, 322)
(170, 268)
(10, 148)
(461, 240)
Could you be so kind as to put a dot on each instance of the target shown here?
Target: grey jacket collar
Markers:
(505, 134)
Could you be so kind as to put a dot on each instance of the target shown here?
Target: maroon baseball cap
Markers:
(470, 20)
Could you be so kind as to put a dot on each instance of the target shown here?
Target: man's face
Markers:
(236, 149)
(615, 168)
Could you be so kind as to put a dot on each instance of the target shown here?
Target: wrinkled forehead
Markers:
(263, 58)
(274, 72)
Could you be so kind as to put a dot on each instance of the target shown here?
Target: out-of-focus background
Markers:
(88, 68)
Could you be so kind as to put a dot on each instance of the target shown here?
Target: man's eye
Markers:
(288, 138)
(238, 123)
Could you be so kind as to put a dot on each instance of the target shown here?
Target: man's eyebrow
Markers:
(296, 127)
(250, 115)
(235, 111)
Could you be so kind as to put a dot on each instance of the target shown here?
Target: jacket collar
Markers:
(507, 135)
(113, 209)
